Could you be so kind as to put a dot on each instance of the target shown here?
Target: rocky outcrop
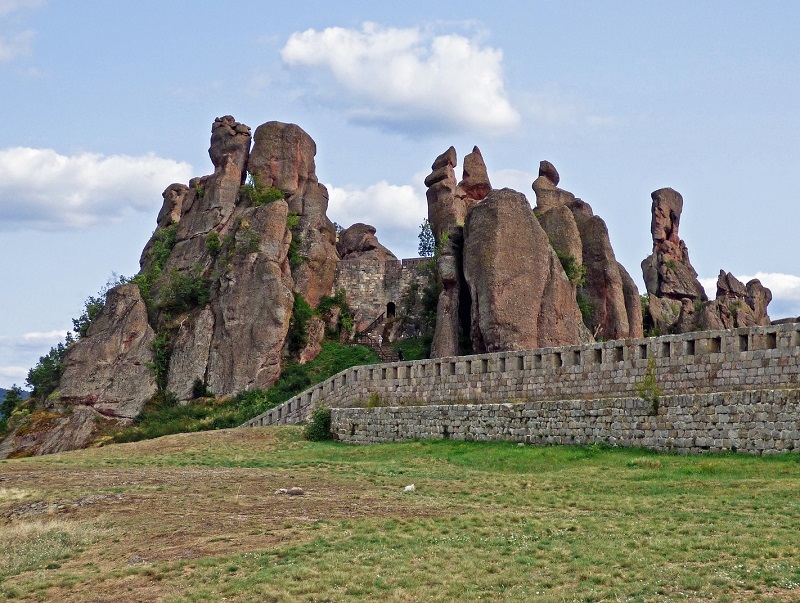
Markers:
(253, 307)
(677, 302)
(736, 305)
(448, 206)
(445, 210)
(446, 214)
(521, 298)
(283, 158)
(548, 195)
(358, 242)
(48, 432)
(474, 185)
(109, 370)
(667, 271)
(580, 238)
(217, 281)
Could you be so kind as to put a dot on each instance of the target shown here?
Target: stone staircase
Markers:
(370, 338)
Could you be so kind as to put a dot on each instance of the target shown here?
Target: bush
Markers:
(576, 273)
(254, 192)
(162, 416)
(297, 337)
(160, 364)
(185, 291)
(200, 389)
(648, 389)
(157, 255)
(319, 425)
(213, 244)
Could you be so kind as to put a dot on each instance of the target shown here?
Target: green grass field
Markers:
(196, 517)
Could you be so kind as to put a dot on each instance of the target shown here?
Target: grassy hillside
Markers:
(196, 517)
(163, 416)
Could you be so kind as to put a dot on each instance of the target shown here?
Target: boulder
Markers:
(548, 195)
(48, 433)
(230, 141)
(445, 209)
(521, 298)
(758, 298)
(358, 242)
(109, 369)
(563, 233)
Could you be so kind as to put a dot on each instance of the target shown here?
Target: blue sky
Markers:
(107, 103)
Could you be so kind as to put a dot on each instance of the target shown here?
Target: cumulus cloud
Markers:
(785, 291)
(408, 77)
(15, 46)
(396, 211)
(40, 188)
(26, 348)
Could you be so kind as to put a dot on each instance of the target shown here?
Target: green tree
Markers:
(93, 305)
(427, 244)
(11, 400)
(44, 377)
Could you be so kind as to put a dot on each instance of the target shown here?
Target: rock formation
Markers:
(214, 297)
(521, 298)
(667, 271)
(677, 302)
(109, 369)
(359, 242)
(283, 158)
(448, 206)
(609, 297)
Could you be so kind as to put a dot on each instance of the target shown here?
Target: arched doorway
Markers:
(391, 310)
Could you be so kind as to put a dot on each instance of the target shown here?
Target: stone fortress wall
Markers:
(722, 390)
(373, 287)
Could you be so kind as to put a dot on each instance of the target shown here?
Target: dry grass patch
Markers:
(197, 518)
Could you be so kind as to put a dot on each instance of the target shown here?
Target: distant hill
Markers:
(3, 393)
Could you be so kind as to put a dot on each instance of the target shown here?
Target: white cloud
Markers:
(401, 77)
(785, 291)
(13, 375)
(16, 45)
(34, 340)
(396, 211)
(9, 6)
(41, 188)
(25, 348)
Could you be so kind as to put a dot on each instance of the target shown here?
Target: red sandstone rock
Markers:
(521, 298)
(359, 242)
(283, 158)
(109, 368)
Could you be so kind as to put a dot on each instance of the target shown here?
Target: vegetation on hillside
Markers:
(163, 415)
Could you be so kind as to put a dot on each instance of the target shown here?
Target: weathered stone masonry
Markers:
(723, 390)
(371, 285)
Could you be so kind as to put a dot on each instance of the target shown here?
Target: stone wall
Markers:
(757, 422)
(694, 364)
(370, 286)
